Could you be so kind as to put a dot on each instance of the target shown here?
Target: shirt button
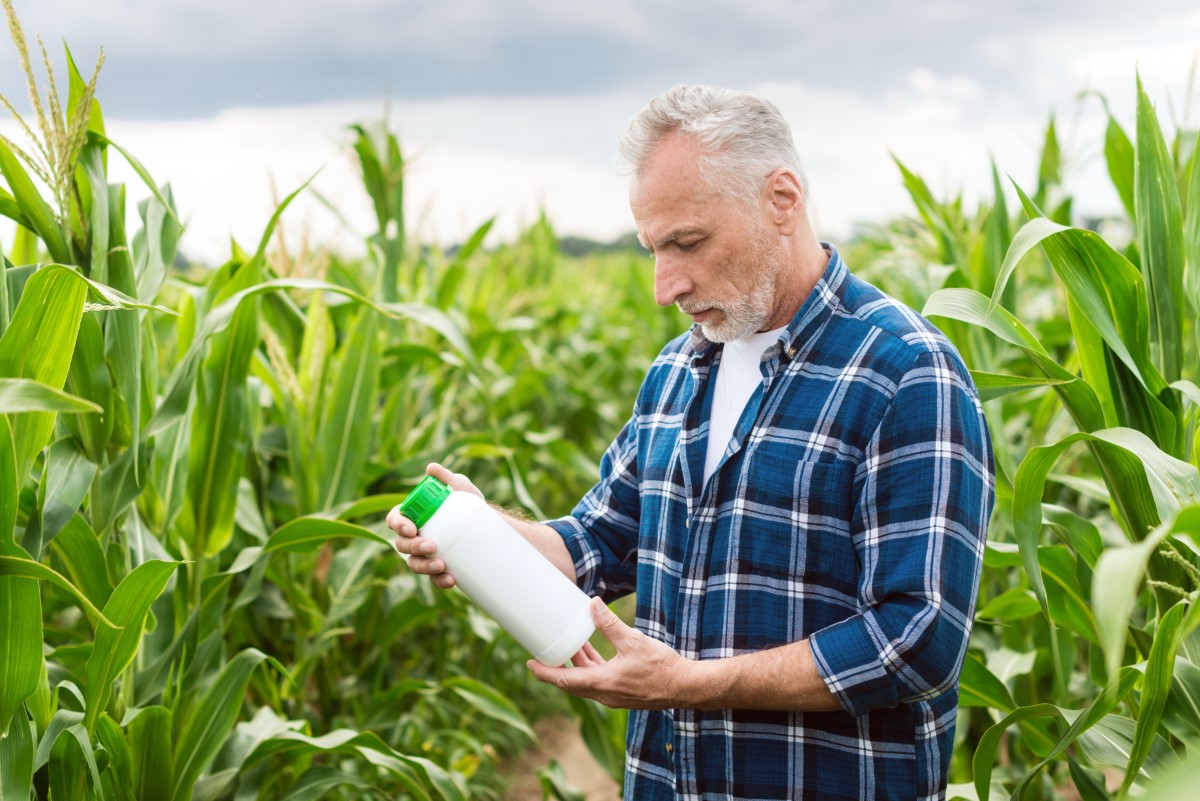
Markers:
(791, 352)
(670, 748)
(687, 524)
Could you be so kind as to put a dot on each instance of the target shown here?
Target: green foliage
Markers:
(1083, 654)
(198, 598)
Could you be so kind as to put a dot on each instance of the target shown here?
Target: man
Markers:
(799, 499)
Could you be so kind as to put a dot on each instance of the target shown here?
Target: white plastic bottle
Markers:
(499, 570)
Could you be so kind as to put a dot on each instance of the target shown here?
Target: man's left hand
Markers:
(645, 673)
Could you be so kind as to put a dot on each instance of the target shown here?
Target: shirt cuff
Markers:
(852, 667)
(584, 555)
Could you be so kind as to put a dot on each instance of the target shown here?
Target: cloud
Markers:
(508, 108)
(193, 58)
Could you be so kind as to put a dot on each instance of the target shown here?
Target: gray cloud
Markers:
(193, 58)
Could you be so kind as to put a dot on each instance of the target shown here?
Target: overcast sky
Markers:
(509, 106)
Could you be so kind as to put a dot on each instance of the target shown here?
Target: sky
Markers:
(506, 108)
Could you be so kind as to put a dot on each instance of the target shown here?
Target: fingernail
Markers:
(428, 547)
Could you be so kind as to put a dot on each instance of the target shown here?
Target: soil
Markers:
(559, 739)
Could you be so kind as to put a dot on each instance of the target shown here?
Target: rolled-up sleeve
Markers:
(601, 533)
(919, 529)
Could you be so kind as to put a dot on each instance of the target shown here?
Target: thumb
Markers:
(610, 625)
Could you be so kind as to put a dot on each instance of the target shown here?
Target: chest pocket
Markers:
(798, 518)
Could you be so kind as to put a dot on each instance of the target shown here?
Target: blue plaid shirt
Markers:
(850, 507)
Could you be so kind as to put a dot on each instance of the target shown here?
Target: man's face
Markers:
(715, 258)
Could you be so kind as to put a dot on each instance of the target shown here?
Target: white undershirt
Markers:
(738, 375)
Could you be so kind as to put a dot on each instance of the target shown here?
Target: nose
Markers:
(670, 280)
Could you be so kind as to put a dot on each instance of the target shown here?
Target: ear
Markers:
(786, 200)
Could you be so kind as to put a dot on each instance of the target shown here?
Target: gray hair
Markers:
(745, 137)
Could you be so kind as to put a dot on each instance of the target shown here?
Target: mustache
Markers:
(696, 306)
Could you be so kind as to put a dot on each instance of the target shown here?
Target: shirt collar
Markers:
(817, 308)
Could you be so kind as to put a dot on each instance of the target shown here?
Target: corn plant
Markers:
(197, 594)
(1083, 662)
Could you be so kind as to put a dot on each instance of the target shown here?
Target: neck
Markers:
(804, 264)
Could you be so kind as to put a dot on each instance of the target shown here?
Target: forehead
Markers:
(671, 190)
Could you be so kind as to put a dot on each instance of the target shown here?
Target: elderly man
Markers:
(799, 499)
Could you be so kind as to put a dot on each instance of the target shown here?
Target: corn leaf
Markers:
(1068, 601)
(1081, 533)
(210, 722)
(317, 782)
(220, 433)
(76, 88)
(1162, 477)
(931, 214)
(488, 701)
(20, 636)
(20, 601)
(1181, 714)
(431, 773)
(11, 209)
(26, 395)
(1156, 685)
(17, 564)
(68, 475)
(123, 481)
(122, 331)
(68, 773)
(1122, 471)
(363, 507)
(120, 759)
(997, 385)
(1118, 155)
(1015, 603)
(79, 550)
(1117, 579)
(114, 648)
(155, 244)
(295, 745)
(1111, 742)
(306, 533)
(150, 745)
(90, 378)
(91, 164)
(986, 752)
(980, 688)
(972, 307)
(1101, 281)
(1191, 238)
(37, 215)
(183, 377)
(37, 345)
(344, 437)
(16, 758)
(1160, 239)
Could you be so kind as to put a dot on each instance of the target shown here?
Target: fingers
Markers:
(560, 677)
(455, 481)
(400, 524)
(412, 545)
(587, 656)
(611, 626)
(593, 654)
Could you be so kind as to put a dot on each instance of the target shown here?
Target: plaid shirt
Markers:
(850, 507)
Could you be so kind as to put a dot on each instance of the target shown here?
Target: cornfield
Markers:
(198, 596)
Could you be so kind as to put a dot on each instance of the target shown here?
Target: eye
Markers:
(688, 247)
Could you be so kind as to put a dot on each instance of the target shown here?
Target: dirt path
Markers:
(559, 738)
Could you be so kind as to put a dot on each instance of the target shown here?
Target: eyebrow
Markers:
(671, 237)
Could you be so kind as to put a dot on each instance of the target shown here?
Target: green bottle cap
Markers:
(425, 499)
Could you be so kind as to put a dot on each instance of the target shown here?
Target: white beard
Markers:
(750, 312)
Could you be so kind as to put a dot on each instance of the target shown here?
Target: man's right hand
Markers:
(418, 549)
